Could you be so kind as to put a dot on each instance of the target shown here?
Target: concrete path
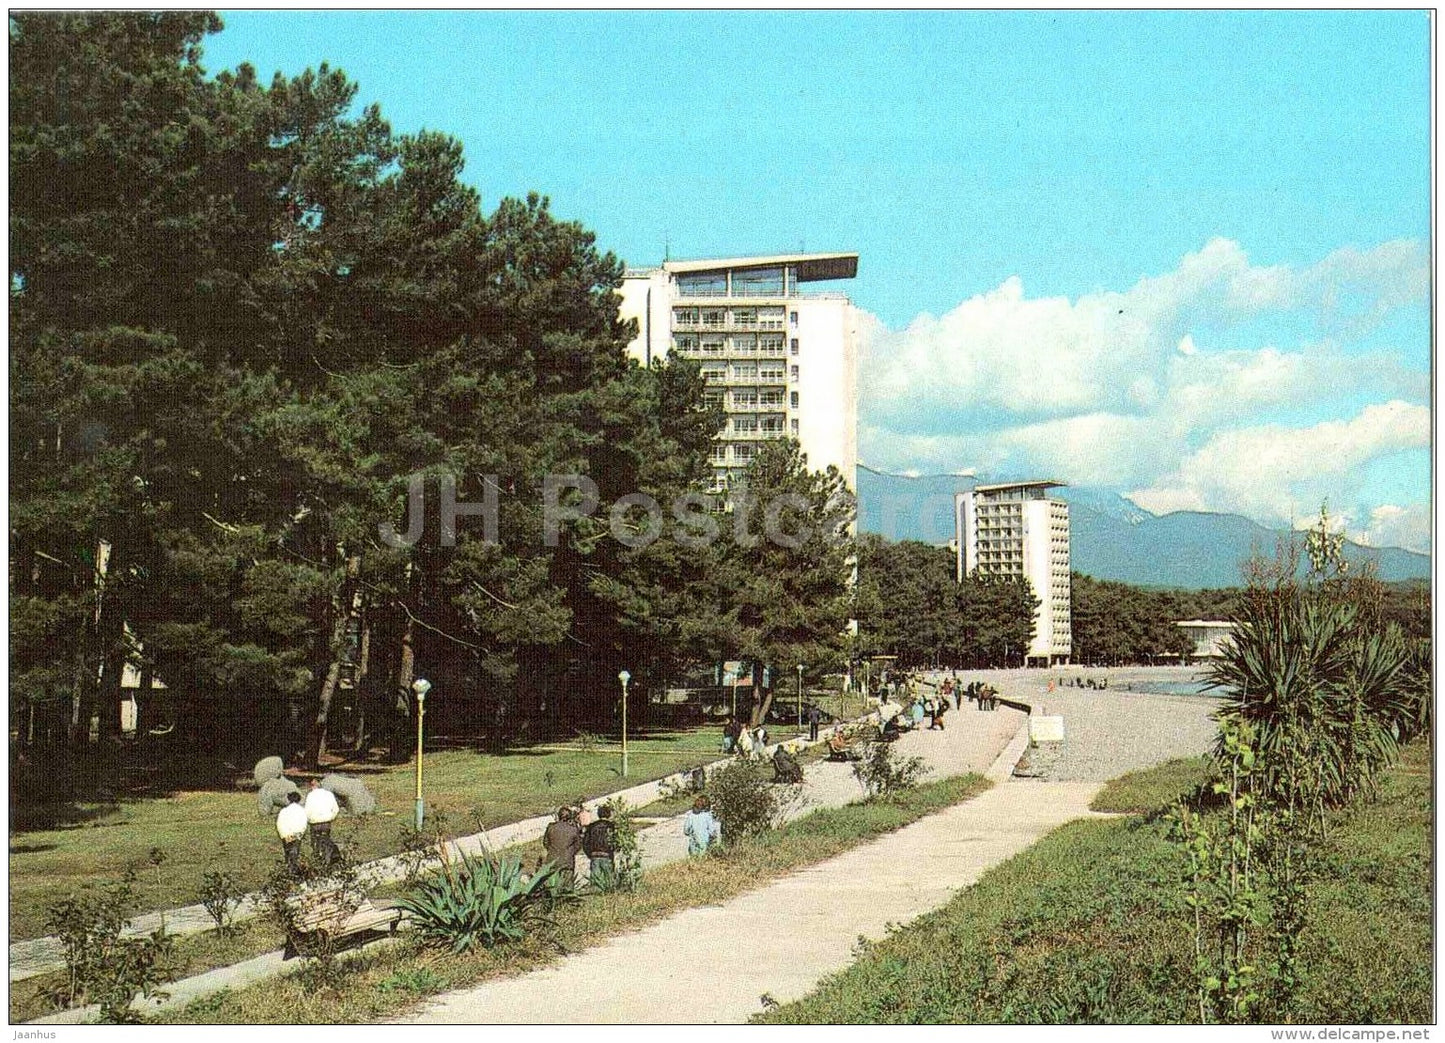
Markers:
(974, 741)
(36, 956)
(714, 964)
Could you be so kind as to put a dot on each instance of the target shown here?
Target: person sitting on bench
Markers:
(786, 767)
(838, 746)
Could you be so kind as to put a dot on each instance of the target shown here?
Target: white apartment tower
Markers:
(779, 360)
(1015, 529)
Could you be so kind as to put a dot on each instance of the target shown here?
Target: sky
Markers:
(1183, 255)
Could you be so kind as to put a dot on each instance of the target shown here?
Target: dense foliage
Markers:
(910, 605)
(249, 324)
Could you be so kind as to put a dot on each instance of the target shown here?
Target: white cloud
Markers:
(1392, 525)
(1216, 386)
(1277, 473)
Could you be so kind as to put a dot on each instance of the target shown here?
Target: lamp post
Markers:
(800, 698)
(420, 686)
(624, 677)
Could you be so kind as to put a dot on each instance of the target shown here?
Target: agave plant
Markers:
(480, 900)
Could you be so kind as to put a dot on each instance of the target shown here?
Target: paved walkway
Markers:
(974, 741)
(36, 956)
(714, 964)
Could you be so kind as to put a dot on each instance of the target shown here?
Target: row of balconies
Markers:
(770, 380)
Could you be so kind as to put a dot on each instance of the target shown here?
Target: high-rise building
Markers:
(779, 360)
(1015, 529)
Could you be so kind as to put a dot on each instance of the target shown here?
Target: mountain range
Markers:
(1110, 537)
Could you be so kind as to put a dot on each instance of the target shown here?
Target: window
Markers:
(685, 316)
(795, 428)
(745, 371)
(719, 453)
(714, 371)
(793, 400)
(773, 399)
(686, 343)
(712, 345)
(793, 319)
(712, 399)
(772, 425)
(770, 318)
(770, 344)
(744, 344)
(770, 372)
(745, 316)
(714, 317)
(758, 282)
(742, 452)
(703, 284)
(793, 371)
(745, 425)
(795, 345)
(745, 400)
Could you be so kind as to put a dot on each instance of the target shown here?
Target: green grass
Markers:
(381, 982)
(200, 830)
(1087, 927)
(1154, 788)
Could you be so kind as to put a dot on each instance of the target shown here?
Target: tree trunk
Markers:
(762, 698)
(365, 690)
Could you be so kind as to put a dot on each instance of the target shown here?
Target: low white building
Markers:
(1016, 529)
(1209, 636)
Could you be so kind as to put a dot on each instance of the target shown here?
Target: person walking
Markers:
(321, 811)
(562, 841)
(745, 743)
(815, 717)
(291, 827)
(731, 731)
(599, 844)
(700, 827)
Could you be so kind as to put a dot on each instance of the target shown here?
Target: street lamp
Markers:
(624, 677)
(800, 698)
(420, 686)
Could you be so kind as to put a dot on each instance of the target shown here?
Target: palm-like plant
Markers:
(1327, 694)
(481, 900)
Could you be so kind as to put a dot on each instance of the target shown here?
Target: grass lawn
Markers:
(1086, 926)
(208, 829)
(382, 982)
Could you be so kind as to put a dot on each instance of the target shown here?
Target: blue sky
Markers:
(1248, 190)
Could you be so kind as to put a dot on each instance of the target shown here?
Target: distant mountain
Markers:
(1111, 538)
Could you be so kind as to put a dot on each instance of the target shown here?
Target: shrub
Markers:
(743, 800)
(103, 966)
(288, 898)
(221, 894)
(626, 859)
(882, 771)
(481, 901)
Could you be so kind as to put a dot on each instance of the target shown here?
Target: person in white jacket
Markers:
(291, 827)
(321, 811)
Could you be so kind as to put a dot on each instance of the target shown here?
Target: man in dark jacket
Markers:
(562, 841)
(815, 717)
(599, 843)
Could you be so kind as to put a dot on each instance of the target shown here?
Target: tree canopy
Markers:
(247, 323)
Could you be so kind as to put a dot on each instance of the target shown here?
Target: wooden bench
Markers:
(326, 916)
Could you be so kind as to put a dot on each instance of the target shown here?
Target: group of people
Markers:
(577, 831)
(748, 743)
(315, 815)
(986, 695)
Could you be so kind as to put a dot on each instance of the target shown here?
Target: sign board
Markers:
(1046, 729)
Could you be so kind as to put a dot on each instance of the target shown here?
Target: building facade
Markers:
(1210, 636)
(780, 361)
(1016, 529)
